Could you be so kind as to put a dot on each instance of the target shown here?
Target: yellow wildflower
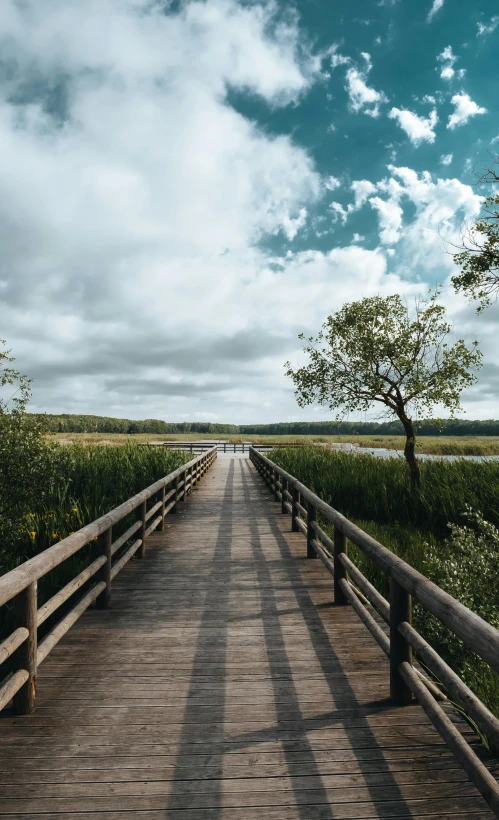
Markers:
(32, 534)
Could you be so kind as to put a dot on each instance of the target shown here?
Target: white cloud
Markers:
(447, 59)
(338, 212)
(332, 183)
(390, 219)
(358, 238)
(117, 207)
(495, 139)
(336, 58)
(446, 159)
(418, 129)
(487, 28)
(440, 206)
(362, 97)
(362, 189)
(464, 109)
(437, 5)
(292, 226)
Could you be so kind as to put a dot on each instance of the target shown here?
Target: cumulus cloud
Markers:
(362, 189)
(390, 216)
(436, 6)
(332, 183)
(440, 205)
(418, 129)
(446, 159)
(337, 59)
(363, 98)
(447, 59)
(464, 109)
(487, 28)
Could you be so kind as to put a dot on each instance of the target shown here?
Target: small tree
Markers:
(479, 253)
(374, 352)
(23, 453)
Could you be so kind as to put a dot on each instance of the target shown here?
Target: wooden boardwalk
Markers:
(223, 684)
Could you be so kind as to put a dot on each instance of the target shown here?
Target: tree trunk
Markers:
(410, 451)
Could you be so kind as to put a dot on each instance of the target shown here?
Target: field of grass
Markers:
(435, 445)
(376, 495)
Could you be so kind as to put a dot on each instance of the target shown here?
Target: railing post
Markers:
(163, 493)
(184, 493)
(141, 516)
(274, 481)
(294, 510)
(340, 546)
(105, 543)
(225, 446)
(25, 613)
(283, 494)
(400, 651)
(311, 517)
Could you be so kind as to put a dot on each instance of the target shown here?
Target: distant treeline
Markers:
(67, 423)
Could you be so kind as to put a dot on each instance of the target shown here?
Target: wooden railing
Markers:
(351, 587)
(21, 649)
(222, 446)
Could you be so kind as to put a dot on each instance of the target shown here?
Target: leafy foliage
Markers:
(25, 464)
(479, 254)
(373, 351)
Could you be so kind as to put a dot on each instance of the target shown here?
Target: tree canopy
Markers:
(375, 353)
(479, 253)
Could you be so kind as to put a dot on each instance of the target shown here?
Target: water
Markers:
(383, 452)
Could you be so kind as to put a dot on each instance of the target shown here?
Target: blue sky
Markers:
(185, 187)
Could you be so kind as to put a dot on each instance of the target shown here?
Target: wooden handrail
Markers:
(405, 583)
(20, 584)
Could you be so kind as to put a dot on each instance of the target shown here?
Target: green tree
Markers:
(375, 352)
(23, 452)
(478, 256)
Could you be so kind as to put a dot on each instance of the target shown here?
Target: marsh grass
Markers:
(85, 483)
(375, 494)
(432, 445)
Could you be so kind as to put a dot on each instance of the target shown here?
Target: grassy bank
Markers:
(376, 495)
(432, 445)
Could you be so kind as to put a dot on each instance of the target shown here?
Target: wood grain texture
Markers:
(224, 684)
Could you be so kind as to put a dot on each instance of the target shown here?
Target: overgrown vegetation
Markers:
(449, 533)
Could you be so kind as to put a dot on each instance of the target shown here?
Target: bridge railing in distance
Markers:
(352, 587)
(20, 651)
(222, 446)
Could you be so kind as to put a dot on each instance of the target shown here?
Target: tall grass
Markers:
(84, 482)
(375, 494)
(375, 489)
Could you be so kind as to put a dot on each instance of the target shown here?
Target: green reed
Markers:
(376, 495)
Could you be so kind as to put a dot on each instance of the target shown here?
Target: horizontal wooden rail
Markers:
(406, 583)
(22, 649)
